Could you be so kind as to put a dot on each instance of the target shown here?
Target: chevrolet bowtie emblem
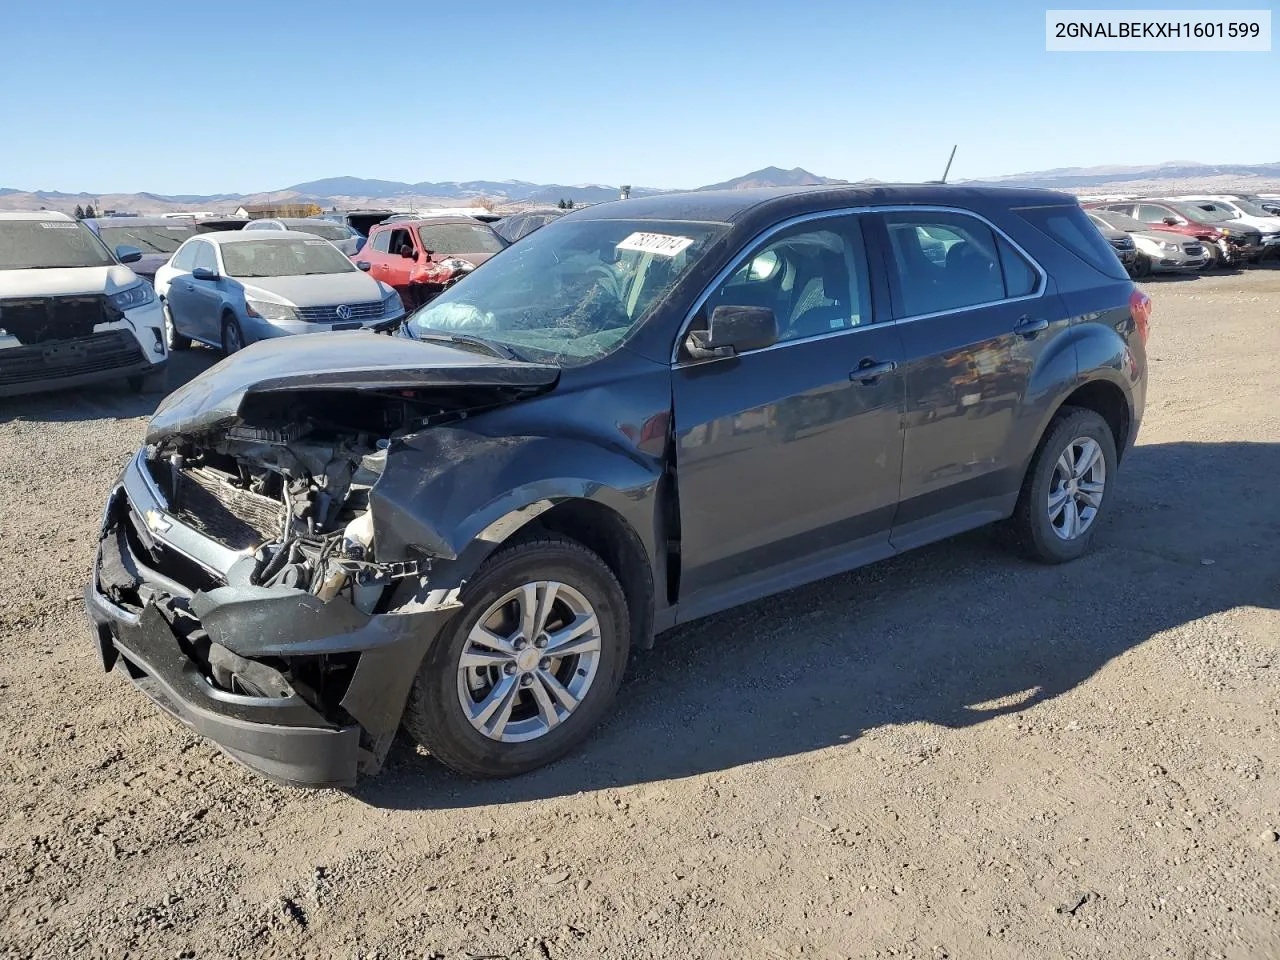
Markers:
(157, 522)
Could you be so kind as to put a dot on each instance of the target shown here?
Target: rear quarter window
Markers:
(1070, 226)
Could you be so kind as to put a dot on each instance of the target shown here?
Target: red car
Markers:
(1227, 242)
(420, 258)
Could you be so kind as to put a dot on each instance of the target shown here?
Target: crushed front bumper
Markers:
(162, 592)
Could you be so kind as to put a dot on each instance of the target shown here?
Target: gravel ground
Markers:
(951, 754)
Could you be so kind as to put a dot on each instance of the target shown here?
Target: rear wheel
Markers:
(1064, 496)
(529, 666)
(232, 335)
(175, 340)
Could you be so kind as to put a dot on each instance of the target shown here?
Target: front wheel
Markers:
(232, 335)
(175, 340)
(1065, 494)
(529, 666)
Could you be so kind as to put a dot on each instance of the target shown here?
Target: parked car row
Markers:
(1187, 234)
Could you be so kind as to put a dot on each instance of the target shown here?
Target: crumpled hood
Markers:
(65, 281)
(355, 360)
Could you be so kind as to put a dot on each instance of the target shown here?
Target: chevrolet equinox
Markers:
(646, 412)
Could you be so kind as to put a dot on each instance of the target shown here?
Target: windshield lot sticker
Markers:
(314, 243)
(662, 244)
(57, 226)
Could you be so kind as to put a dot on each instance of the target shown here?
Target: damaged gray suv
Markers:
(643, 413)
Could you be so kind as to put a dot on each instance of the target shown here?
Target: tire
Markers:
(1141, 267)
(175, 340)
(435, 715)
(1215, 256)
(1032, 530)
(232, 335)
(155, 382)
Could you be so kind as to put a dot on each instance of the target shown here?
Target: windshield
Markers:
(1204, 212)
(284, 257)
(147, 239)
(39, 244)
(1252, 209)
(1118, 221)
(321, 228)
(572, 291)
(459, 238)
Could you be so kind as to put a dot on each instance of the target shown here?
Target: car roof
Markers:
(33, 215)
(429, 221)
(726, 206)
(242, 236)
(139, 221)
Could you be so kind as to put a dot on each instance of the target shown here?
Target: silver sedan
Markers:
(231, 289)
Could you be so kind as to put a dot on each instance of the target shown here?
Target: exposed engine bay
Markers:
(289, 486)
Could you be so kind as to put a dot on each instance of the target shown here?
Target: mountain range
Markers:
(348, 192)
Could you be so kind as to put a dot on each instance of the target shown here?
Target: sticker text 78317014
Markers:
(661, 244)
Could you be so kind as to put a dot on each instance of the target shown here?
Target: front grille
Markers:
(44, 319)
(235, 517)
(1193, 249)
(359, 313)
(1123, 243)
(96, 353)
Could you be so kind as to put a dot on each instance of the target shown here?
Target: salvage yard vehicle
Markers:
(1156, 251)
(421, 257)
(231, 289)
(1123, 244)
(1226, 243)
(156, 237)
(641, 414)
(519, 225)
(1250, 214)
(339, 234)
(71, 312)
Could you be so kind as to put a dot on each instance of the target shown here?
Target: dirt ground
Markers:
(952, 754)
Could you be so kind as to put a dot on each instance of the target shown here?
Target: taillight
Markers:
(1140, 310)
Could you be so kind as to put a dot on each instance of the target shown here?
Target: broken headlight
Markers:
(138, 295)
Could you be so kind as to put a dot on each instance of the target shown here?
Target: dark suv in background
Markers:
(643, 413)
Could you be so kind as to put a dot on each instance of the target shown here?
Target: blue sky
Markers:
(241, 96)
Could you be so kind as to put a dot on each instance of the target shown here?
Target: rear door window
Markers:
(1070, 226)
(943, 261)
(381, 241)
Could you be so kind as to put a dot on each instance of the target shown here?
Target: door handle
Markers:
(1028, 328)
(869, 371)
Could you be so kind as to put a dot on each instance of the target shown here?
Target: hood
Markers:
(320, 290)
(65, 281)
(1164, 236)
(356, 360)
(149, 264)
(1111, 233)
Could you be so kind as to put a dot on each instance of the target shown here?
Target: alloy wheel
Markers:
(1076, 487)
(529, 661)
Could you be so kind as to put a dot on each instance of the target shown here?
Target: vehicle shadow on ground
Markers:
(111, 398)
(952, 635)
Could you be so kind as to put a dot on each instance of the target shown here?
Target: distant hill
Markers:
(772, 177)
(1177, 171)
(347, 192)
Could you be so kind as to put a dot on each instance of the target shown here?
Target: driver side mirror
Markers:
(204, 273)
(1172, 221)
(733, 330)
(127, 254)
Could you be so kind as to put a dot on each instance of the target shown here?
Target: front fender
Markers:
(450, 491)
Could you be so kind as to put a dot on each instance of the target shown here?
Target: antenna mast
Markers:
(949, 159)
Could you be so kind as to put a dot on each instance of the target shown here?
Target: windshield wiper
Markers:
(469, 339)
